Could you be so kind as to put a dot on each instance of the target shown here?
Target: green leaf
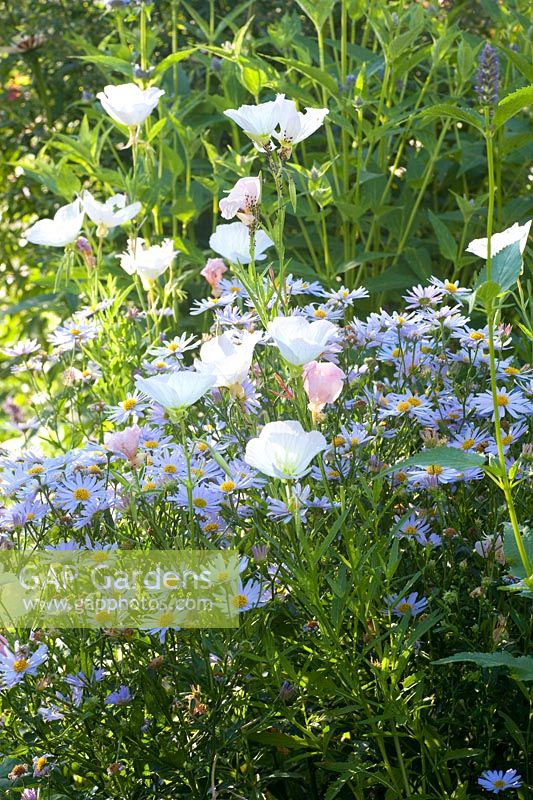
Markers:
(446, 457)
(510, 549)
(486, 292)
(521, 666)
(115, 64)
(512, 104)
(461, 114)
(317, 75)
(506, 268)
(173, 58)
(447, 244)
(317, 10)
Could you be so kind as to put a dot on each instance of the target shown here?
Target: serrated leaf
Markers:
(512, 104)
(447, 110)
(445, 457)
(521, 666)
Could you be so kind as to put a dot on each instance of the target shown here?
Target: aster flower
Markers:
(512, 403)
(248, 596)
(344, 296)
(406, 606)
(79, 490)
(497, 781)
(73, 334)
(43, 765)
(132, 406)
(15, 665)
(119, 698)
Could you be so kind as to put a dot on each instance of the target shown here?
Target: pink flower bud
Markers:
(213, 272)
(323, 383)
(125, 443)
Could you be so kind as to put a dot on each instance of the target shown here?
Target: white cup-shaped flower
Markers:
(111, 213)
(295, 126)
(147, 262)
(300, 341)
(227, 358)
(233, 242)
(284, 450)
(63, 229)
(128, 104)
(176, 391)
(242, 200)
(498, 241)
(258, 122)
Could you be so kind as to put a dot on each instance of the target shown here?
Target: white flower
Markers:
(300, 341)
(233, 242)
(176, 390)
(63, 229)
(147, 262)
(284, 449)
(128, 104)
(516, 233)
(258, 122)
(227, 358)
(111, 213)
(294, 126)
(242, 200)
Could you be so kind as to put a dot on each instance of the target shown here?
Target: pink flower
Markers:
(213, 272)
(4, 646)
(242, 200)
(323, 383)
(125, 442)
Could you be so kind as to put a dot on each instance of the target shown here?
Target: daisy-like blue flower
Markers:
(496, 781)
(119, 698)
(406, 606)
(132, 405)
(512, 403)
(15, 665)
(84, 490)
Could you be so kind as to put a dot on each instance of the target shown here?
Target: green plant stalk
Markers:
(504, 481)
(188, 485)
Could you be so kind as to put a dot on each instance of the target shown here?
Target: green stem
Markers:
(505, 483)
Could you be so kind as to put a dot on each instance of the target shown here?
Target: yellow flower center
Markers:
(434, 469)
(401, 477)
(94, 469)
(40, 764)
(211, 527)
(410, 530)
(75, 331)
(20, 665)
(36, 470)
(507, 439)
(467, 444)
(338, 441)
(199, 502)
(403, 405)
(165, 619)
(404, 607)
(149, 485)
(151, 443)
(172, 346)
(415, 401)
(396, 352)
(198, 471)
(450, 287)
(129, 404)
(240, 600)
(170, 469)
(499, 784)
(202, 447)
(30, 516)
(477, 336)
(320, 313)
(81, 494)
(502, 400)
(512, 371)
(227, 486)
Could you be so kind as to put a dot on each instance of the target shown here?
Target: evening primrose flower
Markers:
(147, 262)
(295, 126)
(242, 201)
(233, 242)
(128, 104)
(496, 781)
(300, 341)
(258, 122)
(63, 229)
(284, 450)
(323, 382)
(15, 665)
(176, 390)
(498, 241)
(111, 213)
(227, 357)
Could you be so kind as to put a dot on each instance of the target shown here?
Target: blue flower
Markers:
(496, 780)
(118, 698)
